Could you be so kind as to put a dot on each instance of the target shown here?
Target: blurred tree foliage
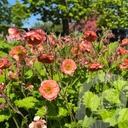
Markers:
(109, 13)
(48, 27)
(20, 13)
(5, 12)
(59, 11)
(13, 14)
(112, 13)
(4, 29)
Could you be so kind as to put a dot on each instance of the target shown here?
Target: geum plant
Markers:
(46, 79)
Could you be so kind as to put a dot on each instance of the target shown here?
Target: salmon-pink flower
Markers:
(85, 46)
(75, 51)
(51, 40)
(124, 65)
(4, 63)
(124, 42)
(29, 62)
(14, 33)
(90, 36)
(18, 53)
(68, 66)
(35, 37)
(46, 58)
(95, 66)
(49, 89)
(121, 51)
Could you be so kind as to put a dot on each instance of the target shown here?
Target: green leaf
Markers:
(2, 78)
(56, 77)
(108, 116)
(112, 95)
(112, 47)
(3, 54)
(3, 118)
(42, 112)
(28, 74)
(62, 112)
(104, 61)
(52, 110)
(91, 100)
(102, 77)
(88, 122)
(38, 66)
(119, 84)
(123, 118)
(28, 102)
(67, 50)
(100, 45)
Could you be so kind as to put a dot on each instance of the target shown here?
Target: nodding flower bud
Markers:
(2, 87)
(12, 75)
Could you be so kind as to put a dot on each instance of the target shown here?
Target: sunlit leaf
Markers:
(28, 102)
(91, 100)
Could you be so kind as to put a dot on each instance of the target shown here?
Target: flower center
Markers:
(68, 66)
(48, 89)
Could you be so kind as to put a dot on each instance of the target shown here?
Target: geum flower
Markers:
(68, 66)
(14, 33)
(18, 53)
(124, 42)
(35, 37)
(36, 50)
(75, 51)
(90, 36)
(49, 89)
(38, 123)
(12, 75)
(4, 63)
(121, 51)
(95, 66)
(124, 65)
(46, 58)
(85, 46)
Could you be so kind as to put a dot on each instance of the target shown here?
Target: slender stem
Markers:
(68, 107)
(14, 109)
(14, 119)
(15, 122)
(23, 117)
(64, 96)
(23, 72)
(5, 77)
(47, 72)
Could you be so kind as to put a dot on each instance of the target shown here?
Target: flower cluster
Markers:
(42, 75)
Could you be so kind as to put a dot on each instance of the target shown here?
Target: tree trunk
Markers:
(65, 24)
